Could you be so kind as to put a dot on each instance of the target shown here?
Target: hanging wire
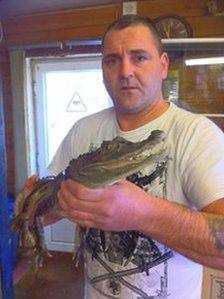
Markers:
(1, 32)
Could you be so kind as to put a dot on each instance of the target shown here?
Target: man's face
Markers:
(133, 69)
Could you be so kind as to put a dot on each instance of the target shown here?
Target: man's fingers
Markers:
(82, 191)
(82, 218)
(68, 201)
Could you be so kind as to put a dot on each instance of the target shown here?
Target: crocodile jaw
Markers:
(137, 156)
(102, 175)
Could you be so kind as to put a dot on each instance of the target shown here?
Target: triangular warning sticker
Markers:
(76, 104)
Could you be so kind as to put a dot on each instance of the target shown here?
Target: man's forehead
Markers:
(130, 39)
(136, 31)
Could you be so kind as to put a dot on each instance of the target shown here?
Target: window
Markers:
(196, 75)
(65, 91)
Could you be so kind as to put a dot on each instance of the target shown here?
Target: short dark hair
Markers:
(130, 20)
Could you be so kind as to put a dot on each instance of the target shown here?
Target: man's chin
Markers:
(129, 109)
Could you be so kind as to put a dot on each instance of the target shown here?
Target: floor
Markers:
(57, 279)
(60, 279)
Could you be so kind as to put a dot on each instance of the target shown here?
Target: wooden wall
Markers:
(91, 22)
(82, 24)
(7, 100)
(60, 26)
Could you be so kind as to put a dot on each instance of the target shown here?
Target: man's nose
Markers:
(126, 70)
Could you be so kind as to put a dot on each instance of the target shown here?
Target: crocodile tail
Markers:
(17, 223)
(21, 197)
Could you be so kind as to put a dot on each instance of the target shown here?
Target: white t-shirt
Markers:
(127, 264)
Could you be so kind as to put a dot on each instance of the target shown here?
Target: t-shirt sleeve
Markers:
(203, 164)
(65, 152)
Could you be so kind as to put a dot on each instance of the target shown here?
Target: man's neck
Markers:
(128, 122)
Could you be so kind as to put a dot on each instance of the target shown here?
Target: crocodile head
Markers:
(117, 159)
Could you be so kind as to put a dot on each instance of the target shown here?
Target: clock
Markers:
(173, 26)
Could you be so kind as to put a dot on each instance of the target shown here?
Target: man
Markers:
(147, 242)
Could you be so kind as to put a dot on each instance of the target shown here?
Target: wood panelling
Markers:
(55, 35)
(61, 20)
(207, 26)
(195, 12)
(90, 23)
(65, 51)
(4, 69)
(155, 8)
(68, 25)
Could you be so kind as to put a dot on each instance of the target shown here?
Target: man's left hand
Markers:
(117, 207)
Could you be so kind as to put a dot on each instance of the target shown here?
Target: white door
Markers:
(65, 90)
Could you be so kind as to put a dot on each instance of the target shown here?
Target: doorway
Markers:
(63, 90)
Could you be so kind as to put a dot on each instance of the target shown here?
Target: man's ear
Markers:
(164, 64)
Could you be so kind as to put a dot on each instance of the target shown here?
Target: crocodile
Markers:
(113, 160)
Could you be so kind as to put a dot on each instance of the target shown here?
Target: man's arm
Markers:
(199, 235)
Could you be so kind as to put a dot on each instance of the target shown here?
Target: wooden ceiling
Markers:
(10, 8)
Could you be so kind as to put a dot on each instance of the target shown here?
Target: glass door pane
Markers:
(196, 76)
(67, 90)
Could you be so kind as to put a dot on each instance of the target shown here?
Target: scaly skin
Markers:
(117, 159)
(112, 161)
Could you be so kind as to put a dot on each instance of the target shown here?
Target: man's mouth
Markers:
(127, 88)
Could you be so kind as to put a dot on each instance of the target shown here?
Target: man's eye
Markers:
(111, 61)
(140, 58)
